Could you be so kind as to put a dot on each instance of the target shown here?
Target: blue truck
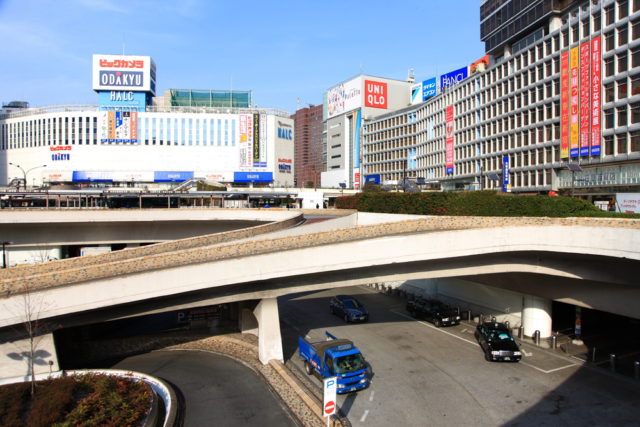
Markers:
(338, 358)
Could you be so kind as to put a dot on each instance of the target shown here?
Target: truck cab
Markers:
(338, 358)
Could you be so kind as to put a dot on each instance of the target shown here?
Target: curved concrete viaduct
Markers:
(588, 262)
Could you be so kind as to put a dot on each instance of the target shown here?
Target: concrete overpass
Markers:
(587, 262)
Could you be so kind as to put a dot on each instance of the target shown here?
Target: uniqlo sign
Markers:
(375, 94)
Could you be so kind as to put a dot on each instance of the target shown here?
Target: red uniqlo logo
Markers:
(375, 94)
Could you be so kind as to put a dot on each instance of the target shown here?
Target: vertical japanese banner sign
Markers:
(256, 140)
(596, 92)
(244, 141)
(564, 105)
(112, 126)
(506, 177)
(104, 126)
(263, 140)
(449, 138)
(585, 109)
(574, 106)
(357, 123)
(134, 126)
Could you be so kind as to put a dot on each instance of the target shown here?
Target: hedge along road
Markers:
(213, 389)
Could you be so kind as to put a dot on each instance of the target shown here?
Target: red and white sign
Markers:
(329, 408)
(330, 386)
(596, 69)
(375, 94)
(585, 92)
(564, 105)
(449, 134)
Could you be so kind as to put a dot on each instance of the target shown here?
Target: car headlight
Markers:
(457, 317)
(445, 319)
(517, 353)
(495, 352)
(363, 381)
(341, 385)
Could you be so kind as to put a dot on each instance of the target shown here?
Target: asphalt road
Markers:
(215, 390)
(438, 377)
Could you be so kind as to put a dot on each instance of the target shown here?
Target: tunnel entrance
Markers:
(90, 346)
(602, 334)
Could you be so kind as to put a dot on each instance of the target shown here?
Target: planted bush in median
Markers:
(79, 400)
(473, 203)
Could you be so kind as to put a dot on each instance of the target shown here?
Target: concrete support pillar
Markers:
(536, 316)
(269, 338)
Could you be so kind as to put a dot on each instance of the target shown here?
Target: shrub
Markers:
(80, 400)
(474, 203)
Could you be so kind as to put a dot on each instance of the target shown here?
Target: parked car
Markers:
(439, 313)
(497, 343)
(349, 308)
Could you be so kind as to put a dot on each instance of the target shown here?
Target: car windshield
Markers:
(351, 303)
(499, 336)
(348, 364)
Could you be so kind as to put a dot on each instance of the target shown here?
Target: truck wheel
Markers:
(307, 368)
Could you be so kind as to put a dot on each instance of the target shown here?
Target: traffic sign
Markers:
(329, 403)
(329, 408)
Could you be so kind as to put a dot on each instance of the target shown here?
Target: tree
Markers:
(32, 306)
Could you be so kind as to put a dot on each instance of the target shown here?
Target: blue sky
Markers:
(281, 50)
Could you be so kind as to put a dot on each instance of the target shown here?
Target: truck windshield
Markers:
(348, 364)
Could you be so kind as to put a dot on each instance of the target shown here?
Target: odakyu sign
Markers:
(123, 73)
(453, 78)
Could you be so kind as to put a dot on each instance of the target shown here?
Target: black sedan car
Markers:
(349, 308)
(497, 343)
(439, 313)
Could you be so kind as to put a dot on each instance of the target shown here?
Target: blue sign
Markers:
(252, 177)
(133, 101)
(452, 78)
(79, 176)
(506, 186)
(60, 156)
(429, 88)
(373, 179)
(121, 78)
(285, 133)
(171, 176)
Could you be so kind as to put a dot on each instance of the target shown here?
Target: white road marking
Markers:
(525, 353)
(476, 344)
(433, 327)
(371, 396)
(364, 416)
(546, 371)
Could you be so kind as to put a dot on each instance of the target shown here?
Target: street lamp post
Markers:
(4, 253)
(573, 167)
(24, 173)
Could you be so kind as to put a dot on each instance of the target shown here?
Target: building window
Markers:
(621, 112)
(635, 85)
(621, 143)
(623, 9)
(609, 92)
(608, 119)
(609, 41)
(622, 88)
(623, 35)
(635, 112)
(609, 15)
(608, 145)
(634, 141)
(609, 67)
(622, 62)
(596, 22)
